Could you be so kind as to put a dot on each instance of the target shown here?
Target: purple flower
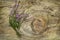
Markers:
(14, 8)
(19, 16)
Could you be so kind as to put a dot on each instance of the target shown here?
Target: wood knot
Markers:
(38, 25)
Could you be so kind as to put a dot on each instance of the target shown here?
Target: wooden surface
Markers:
(48, 9)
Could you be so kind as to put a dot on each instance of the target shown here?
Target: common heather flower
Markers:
(19, 16)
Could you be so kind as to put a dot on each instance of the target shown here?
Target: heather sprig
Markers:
(13, 18)
(16, 19)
